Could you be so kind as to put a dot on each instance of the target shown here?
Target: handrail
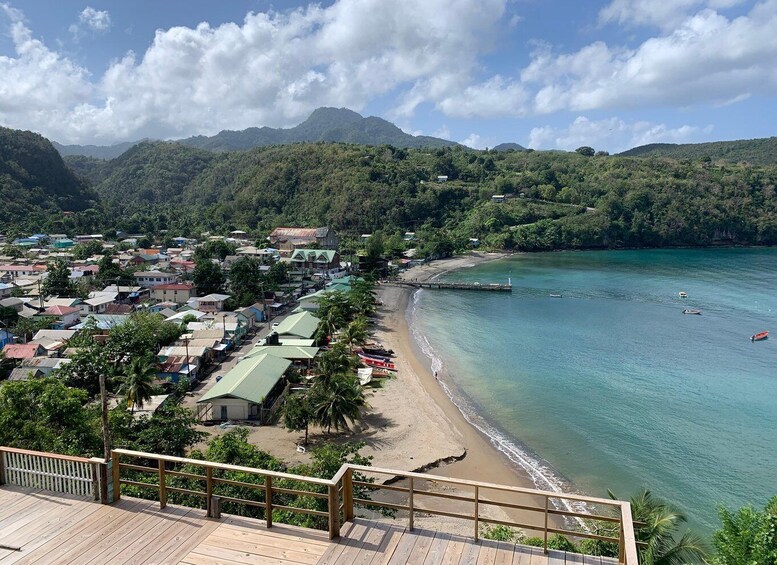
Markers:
(339, 493)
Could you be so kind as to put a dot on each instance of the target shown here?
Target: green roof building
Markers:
(249, 391)
(302, 325)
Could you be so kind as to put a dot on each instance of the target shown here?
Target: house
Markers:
(6, 337)
(19, 351)
(302, 325)
(179, 293)
(6, 290)
(300, 356)
(25, 373)
(249, 391)
(128, 294)
(64, 316)
(89, 237)
(150, 279)
(323, 262)
(12, 302)
(210, 303)
(13, 272)
(498, 198)
(54, 335)
(44, 366)
(97, 302)
(442, 178)
(178, 368)
(63, 243)
(105, 322)
(287, 239)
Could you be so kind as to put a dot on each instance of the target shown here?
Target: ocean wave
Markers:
(541, 473)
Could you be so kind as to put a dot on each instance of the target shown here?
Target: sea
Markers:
(610, 386)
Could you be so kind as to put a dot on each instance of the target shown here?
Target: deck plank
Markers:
(470, 554)
(154, 547)
(524, 555)
(453, 551)
(487, 554)
(388, 544)
(437, 549)
(403, 550)
(375, 535)
(504, 553)
(337, 546)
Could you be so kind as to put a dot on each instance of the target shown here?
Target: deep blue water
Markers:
(611, 386)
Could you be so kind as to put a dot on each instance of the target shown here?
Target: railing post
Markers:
(115, 460)
(410, 504)
(629, 554)
(348, 495)
(162, 485)
(268, 501)
(96, 464)
(334, 513)
(2, 467)
(209, 491)
(477, 510)
(545, 534)
(621, 545)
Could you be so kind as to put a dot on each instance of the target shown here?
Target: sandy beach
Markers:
(411, 424)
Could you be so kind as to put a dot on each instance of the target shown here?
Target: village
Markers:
(230, 362)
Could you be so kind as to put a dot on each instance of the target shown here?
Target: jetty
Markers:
(434, 285)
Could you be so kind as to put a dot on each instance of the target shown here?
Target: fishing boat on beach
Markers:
(697, 312)
(759, 336)
(378, 351)
(377, 362)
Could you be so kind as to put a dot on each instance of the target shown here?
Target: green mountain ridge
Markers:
(762, 151)
(35, 182)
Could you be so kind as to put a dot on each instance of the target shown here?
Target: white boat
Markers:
(365, 375)
(682, 294)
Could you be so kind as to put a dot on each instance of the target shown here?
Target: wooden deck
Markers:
(38, 527)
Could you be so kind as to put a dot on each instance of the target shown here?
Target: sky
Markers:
(547, 74)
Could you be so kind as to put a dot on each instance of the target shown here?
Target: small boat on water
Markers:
(555, 296)
(759, 336)
(682, 294)
(697, 312)
(377, 362)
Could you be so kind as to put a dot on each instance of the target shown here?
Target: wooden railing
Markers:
(413, 492)
(53, 472)
(341, 493)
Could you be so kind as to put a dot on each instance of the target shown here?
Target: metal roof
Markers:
(250, 380)
(302, 325)
(293, 352)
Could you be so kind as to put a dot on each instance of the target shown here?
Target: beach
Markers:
(411, 423)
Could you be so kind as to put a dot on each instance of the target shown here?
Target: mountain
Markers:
(324, 124)
(509, 147)
(104, 152)
(756, 151)
(34, 181)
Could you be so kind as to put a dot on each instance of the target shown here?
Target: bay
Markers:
(611, 386)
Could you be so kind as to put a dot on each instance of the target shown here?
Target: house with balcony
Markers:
(287, 239)
(324, 263)
(210, 303)
(150, 279)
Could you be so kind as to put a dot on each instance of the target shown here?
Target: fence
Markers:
(53, 472)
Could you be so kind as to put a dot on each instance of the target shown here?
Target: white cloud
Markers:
(273, 69)
(473, 140)
(661, 13)
(444, 132)
(96, 20)
(611, 134)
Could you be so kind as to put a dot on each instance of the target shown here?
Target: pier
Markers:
(492, 287)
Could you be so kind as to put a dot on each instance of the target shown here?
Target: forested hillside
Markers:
(559, 200)
(34, 182)
(754, 151)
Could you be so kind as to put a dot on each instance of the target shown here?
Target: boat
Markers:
(682, 294)
(555, 296)
(697, 312)
(759, 336)
(377, 362)
(378, 351)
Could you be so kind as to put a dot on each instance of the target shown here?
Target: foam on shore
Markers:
(541, 473)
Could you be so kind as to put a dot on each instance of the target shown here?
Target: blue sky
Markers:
(548, 74)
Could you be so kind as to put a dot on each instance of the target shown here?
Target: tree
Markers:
(338, 403)
(208, 277)
(137, 382)
(355, 333)
(46, 415)
(86, 367)
(747, 536)
(298, 413)
(245, 280)
(662, 524)
(85, 250)
(586, 151)
(57, 281)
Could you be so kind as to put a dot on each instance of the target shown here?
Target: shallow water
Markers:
(611, 386)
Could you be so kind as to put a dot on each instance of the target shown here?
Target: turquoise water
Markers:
(611, 386)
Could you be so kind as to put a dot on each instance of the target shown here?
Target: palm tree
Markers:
(659, 533)
(341, 401)
(138, 382)
(355, 333)
(332, 363)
